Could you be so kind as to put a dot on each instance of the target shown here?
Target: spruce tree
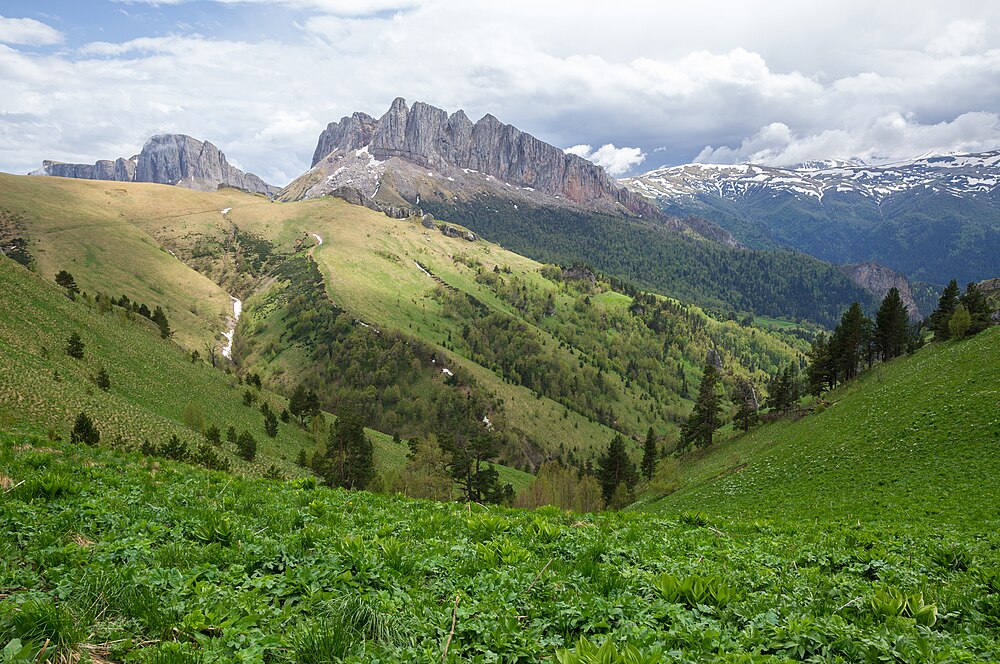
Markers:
(270, 423)
(614, 468)
(247, 445)
(819, 374)
(102, 379)
(469, 465)
(704, 420)
(649, 454)
(891, 326)
(851, 344)
(945, 308)
(84, 431)
(74, 346)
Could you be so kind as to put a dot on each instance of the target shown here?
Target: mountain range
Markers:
(933, 218)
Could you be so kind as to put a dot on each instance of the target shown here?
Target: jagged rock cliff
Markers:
(166, 159)
(454, 146)
(878, 279)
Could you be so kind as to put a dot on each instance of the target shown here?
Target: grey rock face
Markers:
(878, 280)
(428, 136)
(165, 159)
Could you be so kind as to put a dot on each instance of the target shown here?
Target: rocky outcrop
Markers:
(878, 280)
(429, 137)
(166, 159)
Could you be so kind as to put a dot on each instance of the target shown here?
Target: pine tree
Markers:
(891, 326)
(704, 420)
(649, 454)
(614, 468)
(65, 279)
(980, 313)
(470, 467)
(946, 307)
(74, 346)
(213, 435)
(84, 431)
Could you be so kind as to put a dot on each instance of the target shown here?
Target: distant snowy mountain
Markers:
(933, 218)
(958, 175)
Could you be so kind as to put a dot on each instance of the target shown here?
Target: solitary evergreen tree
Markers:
(270, 422)
(74, 346)
(160, 319)
(614, 468)
(891, 326)
(247, 445)
(84, 431)
(704, 420)
(945, 308)
(65, 279)
(102, 379)
(980, 313)
(649, 454)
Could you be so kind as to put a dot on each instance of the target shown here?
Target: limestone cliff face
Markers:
(429, 137)
(878, 280)
(165, 159)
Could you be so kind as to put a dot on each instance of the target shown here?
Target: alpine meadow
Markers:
(717, 380)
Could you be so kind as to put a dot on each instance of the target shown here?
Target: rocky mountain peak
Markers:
(175, 159)
(454, 146)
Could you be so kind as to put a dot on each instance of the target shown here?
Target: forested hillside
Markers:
(763, 282)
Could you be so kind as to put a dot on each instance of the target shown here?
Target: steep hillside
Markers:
(914, 439)
(157, 390)
(373, 316)
(934, 219)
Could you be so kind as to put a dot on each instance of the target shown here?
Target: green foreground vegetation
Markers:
(115, 557)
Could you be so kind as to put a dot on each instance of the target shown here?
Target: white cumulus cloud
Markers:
(28, 32)
(615, 160)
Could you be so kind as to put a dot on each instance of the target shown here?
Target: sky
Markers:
(630, 85)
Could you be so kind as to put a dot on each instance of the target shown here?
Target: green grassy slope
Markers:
(370, 266)
(90, 229)
(115, 557)
(913, 439)
(153, 382)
